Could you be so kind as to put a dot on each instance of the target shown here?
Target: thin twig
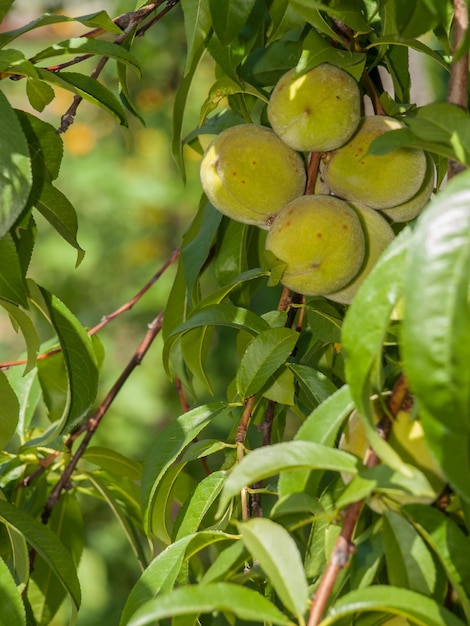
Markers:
(344, 545)
(313, 164)
(107, 318)
(458, 81)
(131, 21)
(94, 421)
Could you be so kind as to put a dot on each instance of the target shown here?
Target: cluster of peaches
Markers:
(326, 242)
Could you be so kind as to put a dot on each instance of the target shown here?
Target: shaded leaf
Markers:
(263, 356)
(229, 17)
(46, 544)
(88, 88)
(10, 411)
(60, 213)
(11, 606)
(167, 446)
(15, 166)
(39, 93)
(12, 283)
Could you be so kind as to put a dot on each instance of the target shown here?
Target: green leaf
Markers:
(348, 11)
(161, 574)
(46, 544)
(263, 356)
(87, 45)
(409, 563)
(80, 362)
(94, 20)
(15, 165)
(281, 457)
(277, 553)
(166, 448)
(28, 391)
(39, 93)
(4, 8)
(199, 502)
(45, 591)
(395, 600)
(321, 426)
(113, 462)
(197, 25)
(11, 606)
(10, 411)
(89, 89)
(362, 344)
(229, 17)
(436, 328)
(449, 544)
(12, 283)
(117, 504)
(46, 146)
(314, 383)
(415, 44)
(196, 599)
(215, 315)
(60, 213)
(229, 562)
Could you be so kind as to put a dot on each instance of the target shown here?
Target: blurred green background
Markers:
(132, 208)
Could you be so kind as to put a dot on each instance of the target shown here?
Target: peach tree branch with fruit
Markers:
(328, 483)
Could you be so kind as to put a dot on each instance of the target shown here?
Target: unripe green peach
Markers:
(249, 174)
(320, 239)
(316, 111)
(413, 207)
(379, 235)
(382, 181)
(407, 439)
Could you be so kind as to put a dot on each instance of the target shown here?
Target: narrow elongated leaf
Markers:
(46, 544)
(86, 45)
(10, 411)
(409, 563)
(113, 462)
(89, 89)
(194, 509)
(15, 165)
(12, 283)
(80, 362)
(229, 17)
(11, 607)
(362, 344)
(277, 553)
(264, 355)
(196, 599)
(436, 328)
(46, 146)
(45, 591)
(321, 426)
(450, 545)
(286, 456)
(197, 25)
(100, 19)
(395, 600)
(161, 574)
(216, 315)
(167, 446)
(315, 384)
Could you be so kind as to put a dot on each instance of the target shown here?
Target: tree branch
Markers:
(344, 546)
(90, 425)
(458, 81)
(107, 318)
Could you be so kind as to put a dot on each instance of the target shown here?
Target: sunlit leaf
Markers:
(277, 553)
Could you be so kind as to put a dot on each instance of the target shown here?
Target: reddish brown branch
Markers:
(458, 81)
(90, 425)
(107, 318)
(313, 165)
(344, 545)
